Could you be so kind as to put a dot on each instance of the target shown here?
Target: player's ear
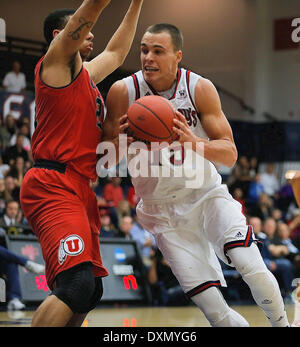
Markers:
(55, 32)
(179, 56)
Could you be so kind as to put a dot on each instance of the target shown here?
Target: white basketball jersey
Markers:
(159, 185)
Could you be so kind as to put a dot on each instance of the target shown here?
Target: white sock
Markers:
(262, 283)
(216, 310)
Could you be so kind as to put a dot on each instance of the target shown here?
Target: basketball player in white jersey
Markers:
(191, 226)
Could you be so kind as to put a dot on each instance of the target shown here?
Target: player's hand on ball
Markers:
(182, 129)
(123, 124)
(123, 128)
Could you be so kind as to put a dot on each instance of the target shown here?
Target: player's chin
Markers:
(85, 54)
(150, 76)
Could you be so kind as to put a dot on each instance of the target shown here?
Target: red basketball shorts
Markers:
(62, 211)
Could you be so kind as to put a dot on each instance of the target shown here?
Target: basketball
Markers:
(150, 119)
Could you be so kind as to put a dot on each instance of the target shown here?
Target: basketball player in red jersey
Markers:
(56, 196)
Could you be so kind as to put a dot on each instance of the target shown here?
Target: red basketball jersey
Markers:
(68, 123)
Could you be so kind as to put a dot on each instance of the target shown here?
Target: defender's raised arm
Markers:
(68, 41)
(118, 47)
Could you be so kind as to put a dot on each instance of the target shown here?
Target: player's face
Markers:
(87, 47)
(159, 60)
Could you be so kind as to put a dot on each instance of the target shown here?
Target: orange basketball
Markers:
(151, 119)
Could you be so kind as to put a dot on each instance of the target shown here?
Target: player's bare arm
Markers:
(116, 119)
(62, 61)
(117, 106)
(118, 47)
(220, 148)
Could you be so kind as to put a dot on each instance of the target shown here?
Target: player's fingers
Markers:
(180, 124)
(123, 127)
(178, 131)
(181, 117)
(123, 119)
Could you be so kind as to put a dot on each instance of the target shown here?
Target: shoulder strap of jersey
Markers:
(136, 86)
(188, 75)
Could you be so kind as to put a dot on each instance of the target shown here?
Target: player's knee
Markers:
(247, 261)
(78, 288)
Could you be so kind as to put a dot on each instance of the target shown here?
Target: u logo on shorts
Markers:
(73, 245)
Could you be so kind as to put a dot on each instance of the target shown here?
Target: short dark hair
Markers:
(175, 33)
(57, 19)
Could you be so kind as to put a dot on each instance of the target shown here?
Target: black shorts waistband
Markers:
(50, 165)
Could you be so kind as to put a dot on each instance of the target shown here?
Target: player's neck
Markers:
(166, 85)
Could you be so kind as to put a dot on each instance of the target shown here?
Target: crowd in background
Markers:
(268, 206)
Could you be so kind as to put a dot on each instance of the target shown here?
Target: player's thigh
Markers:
(224, 222)
(190, 258)
(65, 237)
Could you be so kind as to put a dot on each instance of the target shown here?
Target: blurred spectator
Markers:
(291, 211)
(264, 207)
(294, 225)
(253, 167)
(269, 180)
(15, 80)
(276, 260)
(4, 196)
(11, 213)
(17, 171)
(102, 203)
(277, 215)
(9, 262)
(11, 188)
(133, 199)
(10, 125)
(131, 230)
(10, 223)
(255, 190)
(7, 131)
(123, 209)
(113, 195)
(269, 228)
(240, 176)
(256, 223)
(238, 196)
(285, 196)
(145, 242)
(24, 130)
(113, 192)
(283, 238)
(4, 168)
(126, 225)
(12, 152)
(165, 288)
(107, 228)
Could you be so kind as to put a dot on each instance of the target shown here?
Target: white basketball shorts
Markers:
(192, 230)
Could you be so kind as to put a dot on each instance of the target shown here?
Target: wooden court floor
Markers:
(147, 317)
